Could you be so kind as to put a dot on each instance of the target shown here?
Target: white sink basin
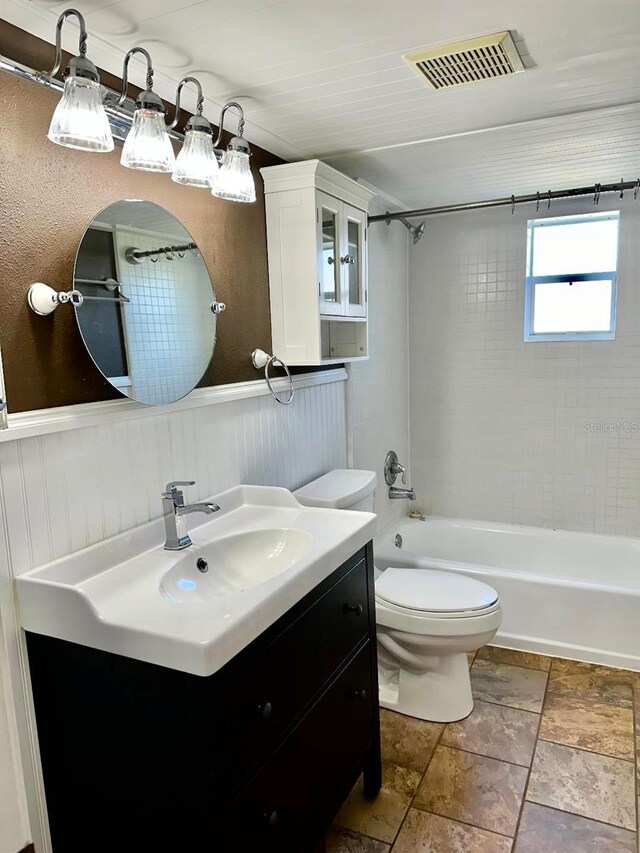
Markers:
(129, 596)
(234, 563)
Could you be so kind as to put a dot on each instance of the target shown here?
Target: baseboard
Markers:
(565, 650)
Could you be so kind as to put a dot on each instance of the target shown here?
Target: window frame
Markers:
(531, 281)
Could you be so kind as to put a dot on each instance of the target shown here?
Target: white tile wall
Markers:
(167, 350)
(500, 429)
(378, 390)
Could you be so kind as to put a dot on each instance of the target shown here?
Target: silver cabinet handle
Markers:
(332, 260)
(347, 259)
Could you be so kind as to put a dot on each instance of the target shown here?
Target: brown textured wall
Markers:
(50, 194)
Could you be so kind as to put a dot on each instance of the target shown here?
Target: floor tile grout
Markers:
(465, 823)
(533, 756)
(504, 705)
(410, 806)
(490, 757)
(584, 749)
(548, 693)
(636, 713)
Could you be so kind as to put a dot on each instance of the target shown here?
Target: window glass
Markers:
(584, 306)
(576, 247)
(571, 285)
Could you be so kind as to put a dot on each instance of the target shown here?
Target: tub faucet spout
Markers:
(401, 494)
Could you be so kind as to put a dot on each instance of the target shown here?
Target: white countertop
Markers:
(110, 596)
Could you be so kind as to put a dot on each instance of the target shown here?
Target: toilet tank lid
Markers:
(337, 489)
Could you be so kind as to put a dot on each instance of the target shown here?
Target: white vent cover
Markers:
(482, 58)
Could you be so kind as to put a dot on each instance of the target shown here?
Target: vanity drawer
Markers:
(293, 669)
(299, 792)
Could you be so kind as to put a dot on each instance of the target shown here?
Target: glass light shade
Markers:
(79, 120)
(196, 164)
(235, 181)
(147, 146)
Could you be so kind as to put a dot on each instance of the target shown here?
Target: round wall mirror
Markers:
(147, 315)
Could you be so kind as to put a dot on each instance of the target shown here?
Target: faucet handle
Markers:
(175, 485)
(396, 469)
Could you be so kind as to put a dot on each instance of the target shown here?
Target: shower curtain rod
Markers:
(539, 198)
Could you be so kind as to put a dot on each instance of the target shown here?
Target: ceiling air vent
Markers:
(483, 58)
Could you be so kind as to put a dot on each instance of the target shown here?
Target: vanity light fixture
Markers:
(147, 146)
(235, 181)
(79, 120)
(196, 164)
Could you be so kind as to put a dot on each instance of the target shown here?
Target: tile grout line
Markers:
(511, 838)
(548, 693)
(533, 757)
(584, 749)
(410, 806)
(439, 743)
(491, 757)
(598, 701)
(504, 705)
(636, 714)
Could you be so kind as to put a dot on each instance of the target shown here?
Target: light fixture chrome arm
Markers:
(79, 66)
(143, 98)
(228, 106)
(199, 103)
(82, 44)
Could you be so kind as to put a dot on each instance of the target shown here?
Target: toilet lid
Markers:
(432, 591)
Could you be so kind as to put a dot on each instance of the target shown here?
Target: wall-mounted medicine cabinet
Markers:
(317, 244)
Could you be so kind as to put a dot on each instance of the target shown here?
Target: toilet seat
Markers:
(432, 594)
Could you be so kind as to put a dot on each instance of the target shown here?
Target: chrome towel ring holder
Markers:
(261, 359)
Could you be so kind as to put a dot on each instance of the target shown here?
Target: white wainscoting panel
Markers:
(66, 490)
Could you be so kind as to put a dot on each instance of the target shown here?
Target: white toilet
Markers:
(427, 620)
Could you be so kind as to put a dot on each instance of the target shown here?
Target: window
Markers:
(572, 264)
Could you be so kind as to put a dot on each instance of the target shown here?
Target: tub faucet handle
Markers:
(400, 469)
(393, 469)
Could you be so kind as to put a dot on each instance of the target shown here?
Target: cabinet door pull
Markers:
(354, 608)
(265, 710)
(359, 694)
(347, 259)
(331, 260)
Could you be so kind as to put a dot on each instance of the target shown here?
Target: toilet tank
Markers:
(343, 488)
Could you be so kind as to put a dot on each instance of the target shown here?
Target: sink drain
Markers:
(202, 565)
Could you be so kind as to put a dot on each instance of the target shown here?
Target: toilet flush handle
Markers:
(354, 608)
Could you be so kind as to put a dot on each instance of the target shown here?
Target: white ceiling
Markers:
(326, 79)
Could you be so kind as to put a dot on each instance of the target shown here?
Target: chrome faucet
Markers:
(392, 470)
(173, 507)
(396, 494)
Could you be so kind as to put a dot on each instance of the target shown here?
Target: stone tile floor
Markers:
(549, 760)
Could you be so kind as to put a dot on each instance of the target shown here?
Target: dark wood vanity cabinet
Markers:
(257, 757)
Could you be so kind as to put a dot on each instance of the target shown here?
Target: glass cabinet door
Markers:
(353, 261)
(329, 266)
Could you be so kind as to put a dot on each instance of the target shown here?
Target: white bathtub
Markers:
(574, 595)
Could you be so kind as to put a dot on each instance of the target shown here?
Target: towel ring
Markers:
(262, 359)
